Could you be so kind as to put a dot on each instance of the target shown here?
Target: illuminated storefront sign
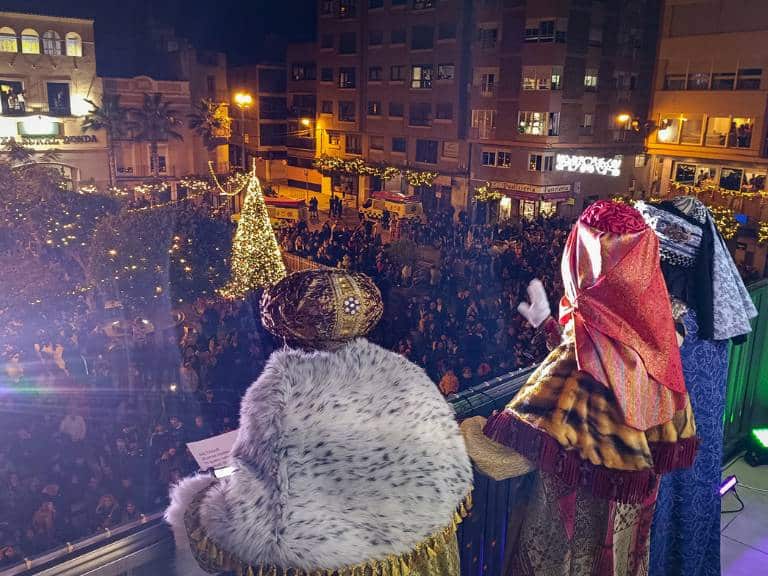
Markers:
(39, 140)
(588, 164)
(532, 188)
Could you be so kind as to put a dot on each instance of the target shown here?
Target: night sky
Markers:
(243, 29)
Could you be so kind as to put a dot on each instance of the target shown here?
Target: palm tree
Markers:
(18, 154)
(113, 119)
(210, 121)
(156, 121)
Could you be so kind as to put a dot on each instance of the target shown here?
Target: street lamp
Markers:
(243, 100)
(623, 118)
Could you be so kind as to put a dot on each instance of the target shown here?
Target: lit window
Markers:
(58, 99)
(503, 159)
(691, 129)
(8, 40)
(334, 138)
(488, 158)
(52, 43)
(484, 123)
(541, 162)
(421, 77)
(347, 78)
(743, 128)
(529, 78)
(74, 44)
(669, 130)
(30, 42)
(533, 123)
(374, 108)
(586, 123)
(556, 77)
(347, 8)
(698, 81)
(590, 80)
(554, 124)
(487, 84)
(12, 97)
(446, 71)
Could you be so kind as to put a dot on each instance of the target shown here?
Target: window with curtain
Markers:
(74, 44)
(30, 41)
(52, 43)
(8, 40)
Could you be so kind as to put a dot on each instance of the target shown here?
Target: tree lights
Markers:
(256, 259)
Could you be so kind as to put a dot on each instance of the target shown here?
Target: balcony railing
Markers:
(145, 548)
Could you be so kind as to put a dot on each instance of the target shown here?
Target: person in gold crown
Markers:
(348, 461)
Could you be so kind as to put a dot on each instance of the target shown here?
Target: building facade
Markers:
(262, 126)
(709, 111)
(47, 72)
(542, 103)
(176, 158)
(559, 92)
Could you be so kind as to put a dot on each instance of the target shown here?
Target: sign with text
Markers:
(533, 188)
(213, 452)
(588, 164)
(50, 140)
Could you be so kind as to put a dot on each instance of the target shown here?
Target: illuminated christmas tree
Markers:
(256, 259)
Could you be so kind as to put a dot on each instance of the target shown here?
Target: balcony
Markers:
(145, 547)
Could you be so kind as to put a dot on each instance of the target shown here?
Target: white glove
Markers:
(538, 310)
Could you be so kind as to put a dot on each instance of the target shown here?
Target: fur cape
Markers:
(342, 457)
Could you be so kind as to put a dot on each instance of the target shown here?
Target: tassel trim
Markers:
(628, 486)
(214, 559)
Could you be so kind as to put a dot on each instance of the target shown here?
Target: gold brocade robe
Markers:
(438, 555)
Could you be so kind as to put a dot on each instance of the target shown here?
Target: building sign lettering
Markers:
(588, 164)
(50, 140)
(532, 188)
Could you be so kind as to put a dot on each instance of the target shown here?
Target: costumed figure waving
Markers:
(604, 415)
(348, 460)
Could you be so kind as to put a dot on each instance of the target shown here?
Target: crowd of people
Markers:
(98, 408)
(97, 413)
(456, 315)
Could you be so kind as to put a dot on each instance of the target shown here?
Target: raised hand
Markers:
(537, 310)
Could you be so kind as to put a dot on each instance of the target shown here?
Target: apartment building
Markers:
(298, 176)
(47, 72)
(390, 77)
(709, 109)
(558, 101)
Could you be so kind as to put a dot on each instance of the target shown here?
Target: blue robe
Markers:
(685, 539)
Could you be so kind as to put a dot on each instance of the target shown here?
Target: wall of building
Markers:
(39, 119)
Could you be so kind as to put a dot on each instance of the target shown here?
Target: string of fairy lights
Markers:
(360, 167)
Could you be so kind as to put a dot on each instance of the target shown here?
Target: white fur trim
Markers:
(181, 496)
(341, 457)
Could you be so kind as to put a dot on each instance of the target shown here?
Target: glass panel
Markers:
(730, 178)
(691, 130)
(669, 130)
(754, 181)
(685, 173)
(718, 128)
(706, 176)
(723, 80)
(698, 81)
(674, 82)
(743, 132)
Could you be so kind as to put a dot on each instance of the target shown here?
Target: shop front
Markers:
(528, 201)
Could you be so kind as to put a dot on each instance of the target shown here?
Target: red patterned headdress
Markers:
(617, 300)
